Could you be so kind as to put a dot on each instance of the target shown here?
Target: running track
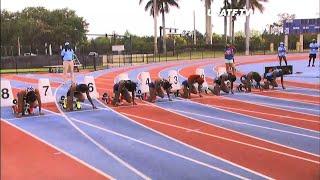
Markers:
(273, 134)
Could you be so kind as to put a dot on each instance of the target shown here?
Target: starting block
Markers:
(122, 76)
(45, 90)
(285, 69)
(200, 71)
(173, 78)
(89, 80)
(220, 71)
(6, 94)
(143, 85)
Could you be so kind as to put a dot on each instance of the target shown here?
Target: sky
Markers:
(107, 16)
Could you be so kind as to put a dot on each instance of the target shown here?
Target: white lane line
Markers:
(288, 92)
(160, 149)
(214, 125)
(247, 124)
(263, 119)
(283, 99)
(306, 102)
(272, 114)
(60, 150)
(187, 145)
(225, 110)
(226, 139)
(105, 150)
(278, 106)
(295, 87)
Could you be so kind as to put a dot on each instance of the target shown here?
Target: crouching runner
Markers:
(77, 90)
(121, 91)
(271, 78)
(247, 81)
(158, 87)
(28, 99)
(189, 86)
(220, 83)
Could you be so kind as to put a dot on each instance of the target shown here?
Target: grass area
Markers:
(6, 71)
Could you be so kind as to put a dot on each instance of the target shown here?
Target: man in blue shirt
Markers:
(313, 51)
(282, 53)
(67, 58)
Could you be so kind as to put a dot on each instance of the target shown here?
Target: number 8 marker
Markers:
(6, 93)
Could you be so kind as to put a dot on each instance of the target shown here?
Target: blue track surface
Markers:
(309, 74)
(151, 153)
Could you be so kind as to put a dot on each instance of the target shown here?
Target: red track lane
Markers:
(252, 158)
(23, 157)
(220, 101)
(28, 80)
(287, 82)
(286, 117)
(284, 95)
(291, 96)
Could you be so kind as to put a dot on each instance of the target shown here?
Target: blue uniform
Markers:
(281, 51)
(67, 55)
(229, 53)
(313, 48)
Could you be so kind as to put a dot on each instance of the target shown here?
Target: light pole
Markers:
(155, 13)
(247, 29)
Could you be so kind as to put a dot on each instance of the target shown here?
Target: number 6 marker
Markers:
(89, 80)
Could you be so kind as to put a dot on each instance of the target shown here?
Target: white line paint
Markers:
(226, 139)
(271, 105)
(58, 149)
(263, 119)
(225, 110)
(160, 149)
(232, 130)
(257, 112)
(247, 124)
(187, 145)
(105, 150)
(283, 99)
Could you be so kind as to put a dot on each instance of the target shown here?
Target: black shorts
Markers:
(115, 87)
(217, 81)
(269, 78)
(75, 93)
(313, 56)
(185, 83)
(152, 85)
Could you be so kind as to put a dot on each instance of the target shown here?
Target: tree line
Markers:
(37, 26)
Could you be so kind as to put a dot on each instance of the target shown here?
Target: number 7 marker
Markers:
(45, 90)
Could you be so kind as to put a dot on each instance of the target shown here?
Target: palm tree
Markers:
(234, 4)
(163, 7)
(207, 5)
(251, 4)
(239, 4)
